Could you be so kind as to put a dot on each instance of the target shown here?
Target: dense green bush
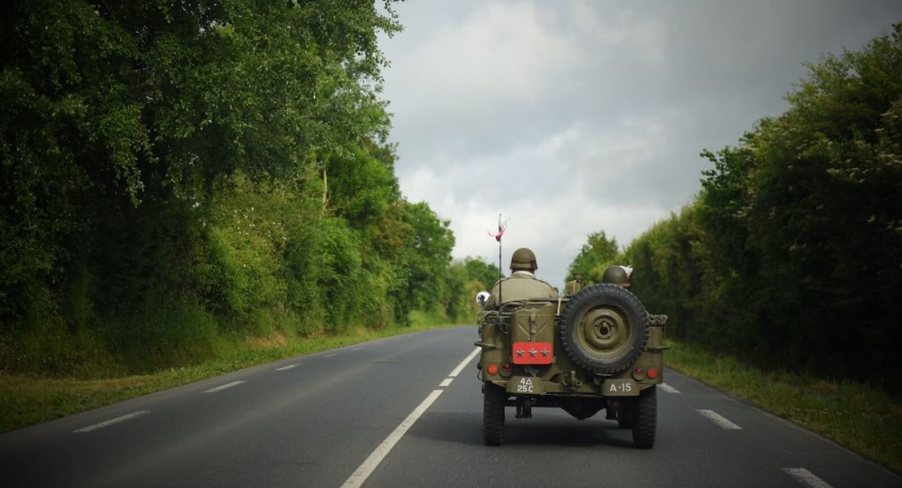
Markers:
(172, 174)
(791, 256)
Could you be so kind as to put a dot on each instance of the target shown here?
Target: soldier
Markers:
(522, 283)
(574, 285)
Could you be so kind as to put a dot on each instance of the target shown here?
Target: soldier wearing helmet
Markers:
(522, 284)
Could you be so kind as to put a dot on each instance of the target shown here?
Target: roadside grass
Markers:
(27, 400)
(860, 417)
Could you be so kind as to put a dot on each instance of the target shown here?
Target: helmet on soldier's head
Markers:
(523, 259)
(617, 275)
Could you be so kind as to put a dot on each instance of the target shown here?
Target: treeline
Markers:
(178, 172)
(791, 255)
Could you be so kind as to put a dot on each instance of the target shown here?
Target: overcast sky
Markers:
(570, 117)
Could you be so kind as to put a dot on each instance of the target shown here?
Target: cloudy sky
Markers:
(570, 117)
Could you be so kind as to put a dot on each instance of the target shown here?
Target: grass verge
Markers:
(862, 418)
(27, 400)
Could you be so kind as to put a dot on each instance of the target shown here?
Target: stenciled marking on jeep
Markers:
(525, 386)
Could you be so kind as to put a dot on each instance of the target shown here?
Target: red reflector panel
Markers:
(532, 353)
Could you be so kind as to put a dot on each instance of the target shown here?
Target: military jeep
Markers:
(594, 349)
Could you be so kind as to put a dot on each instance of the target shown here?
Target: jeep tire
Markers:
(645, 418)
(604, 328)
(493, 400)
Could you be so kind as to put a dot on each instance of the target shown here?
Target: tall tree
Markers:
(598, 252)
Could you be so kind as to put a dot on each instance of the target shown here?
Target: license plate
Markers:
(532, 353)
(619, 387)
(525, 385)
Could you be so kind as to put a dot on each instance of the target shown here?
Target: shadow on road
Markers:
(546, 428)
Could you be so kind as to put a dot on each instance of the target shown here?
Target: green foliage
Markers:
(597, 254)
(467, 278)
(245, 239)
(426, 258)
(174, 173)
(666, 272)
(791, 253)
(483, 273)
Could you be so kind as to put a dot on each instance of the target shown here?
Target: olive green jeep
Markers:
(596, 348)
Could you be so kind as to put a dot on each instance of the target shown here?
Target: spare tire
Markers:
(604, 328)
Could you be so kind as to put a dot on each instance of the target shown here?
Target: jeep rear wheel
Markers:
(493, 399)
(604, 328)
(645, 418)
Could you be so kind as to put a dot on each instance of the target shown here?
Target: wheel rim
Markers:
(604, 333)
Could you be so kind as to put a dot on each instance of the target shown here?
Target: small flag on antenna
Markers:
(501, 229)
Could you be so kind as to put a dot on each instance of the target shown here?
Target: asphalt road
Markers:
(391, 413)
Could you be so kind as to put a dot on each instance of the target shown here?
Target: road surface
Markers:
(407, 411)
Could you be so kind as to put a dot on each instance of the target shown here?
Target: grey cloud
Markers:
(619, 101)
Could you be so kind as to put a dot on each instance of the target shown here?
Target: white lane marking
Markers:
(331, 355)
(111, 422)
(366, 469)
(223, 387)
(719, 420)
(668, 388)
(464, 363)
(285, 368)
(806, 478)
(446, 382)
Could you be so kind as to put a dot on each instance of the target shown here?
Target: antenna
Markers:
(498, 236)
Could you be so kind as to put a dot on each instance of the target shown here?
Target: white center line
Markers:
(806, 478)
(366, 469)
(668, 388)
(464, 363)
(284, 368)
(719, 420)
(111, 422)
(223, 387)
(369, 465)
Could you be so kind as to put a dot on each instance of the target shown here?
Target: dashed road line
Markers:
(223, 387)
(286, 368)
(375, 458)
(464, 363)
(806, 478)
(111, 422)
(667, 388)
(369, 465)
(332, 355)
(719, 420)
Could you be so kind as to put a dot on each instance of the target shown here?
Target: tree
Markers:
(790, 255)
(594, 257)
(126, 128)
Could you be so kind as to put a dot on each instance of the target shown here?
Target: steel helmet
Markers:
(618, 275)
(523, 259)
